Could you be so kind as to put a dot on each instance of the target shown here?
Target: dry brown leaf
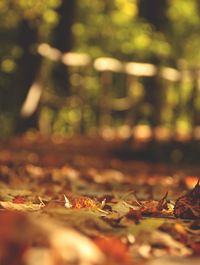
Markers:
(156, 208)
(188, 205)
(24, 207)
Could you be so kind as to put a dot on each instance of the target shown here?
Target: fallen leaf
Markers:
(134, 215)
(158, 243)
(176, 230)
(196, 248)
(190, 181)
(67, 202)
(69, 245)
(24, 207)
(19, 199)
(188, 205)
(83, 202)
(113, 248)
(156, 208)
(166, 260)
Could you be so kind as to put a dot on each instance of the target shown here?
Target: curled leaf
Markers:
(162, 204)
(188, 205)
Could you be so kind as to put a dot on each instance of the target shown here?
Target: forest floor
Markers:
(75, 201)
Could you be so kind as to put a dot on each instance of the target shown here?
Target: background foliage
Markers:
(101, 28)
(113, 28)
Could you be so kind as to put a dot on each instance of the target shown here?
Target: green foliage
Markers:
(184, 35)
(41, 16)
(13, 11)
(113, 28)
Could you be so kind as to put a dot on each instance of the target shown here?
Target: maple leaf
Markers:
(188, 205)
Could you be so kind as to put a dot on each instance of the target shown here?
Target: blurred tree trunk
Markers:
(154, 12)
(30, 63)
(28, 68)
(63, 40)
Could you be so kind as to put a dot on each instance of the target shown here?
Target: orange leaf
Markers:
(19, 199)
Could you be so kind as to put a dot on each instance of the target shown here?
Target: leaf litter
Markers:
(88, 208)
